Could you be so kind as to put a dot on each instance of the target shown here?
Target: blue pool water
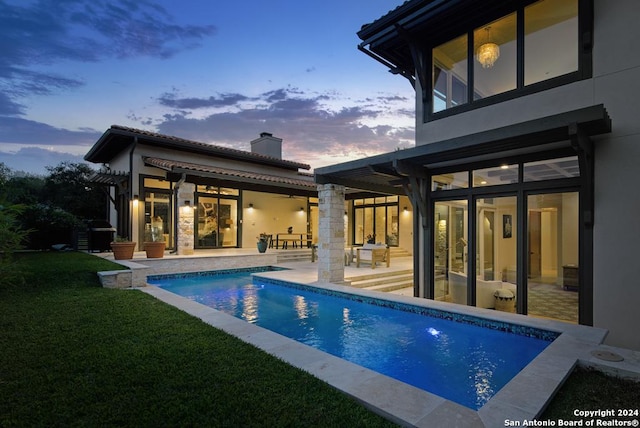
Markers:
(461, 358)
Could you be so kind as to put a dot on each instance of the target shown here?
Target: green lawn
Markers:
(75, 354)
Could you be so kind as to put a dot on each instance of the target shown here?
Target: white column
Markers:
(185, 218)
(331, 238)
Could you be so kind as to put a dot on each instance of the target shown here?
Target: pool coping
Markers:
(522, 398)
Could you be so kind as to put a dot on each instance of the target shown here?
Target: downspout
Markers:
(176, 188)
(132, 215)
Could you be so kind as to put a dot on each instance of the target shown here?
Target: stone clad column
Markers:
(331, 239)
(186, 227)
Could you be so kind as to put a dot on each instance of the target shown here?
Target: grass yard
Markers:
(75, 354)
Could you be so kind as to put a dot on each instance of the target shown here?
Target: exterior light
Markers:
(135, 197)
(250, 206)
(187, 203)
(488, 53)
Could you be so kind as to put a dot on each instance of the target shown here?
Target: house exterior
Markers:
(227, 195)
(527, 142)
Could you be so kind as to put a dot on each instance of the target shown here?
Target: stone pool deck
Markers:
(523, 398)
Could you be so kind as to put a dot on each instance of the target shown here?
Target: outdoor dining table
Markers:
(294, 238)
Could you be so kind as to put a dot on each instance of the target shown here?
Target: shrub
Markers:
(49, 225)
(11, 240)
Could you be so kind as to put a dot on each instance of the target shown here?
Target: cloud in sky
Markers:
(25, 158)
(208, 71)
(37, 34)
(307, 125)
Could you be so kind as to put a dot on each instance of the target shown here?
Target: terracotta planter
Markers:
(123, 250)
(155, 250)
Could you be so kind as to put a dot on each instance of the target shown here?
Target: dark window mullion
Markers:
(520, 48)
(470, 76)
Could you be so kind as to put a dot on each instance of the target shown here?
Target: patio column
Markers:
(331, 242)
(185, 218)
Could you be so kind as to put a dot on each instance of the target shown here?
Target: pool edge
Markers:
(523, 398)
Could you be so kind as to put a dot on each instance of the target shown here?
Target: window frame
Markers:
(585, 63)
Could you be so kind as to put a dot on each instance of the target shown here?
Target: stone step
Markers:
(378, 273)
(398, 252)
(392, 286)
(374, 282)
(303, 255)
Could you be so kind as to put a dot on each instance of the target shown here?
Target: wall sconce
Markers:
(250, 206)
(135, 198)
(301, 209)
(187, 209)
(406, 209)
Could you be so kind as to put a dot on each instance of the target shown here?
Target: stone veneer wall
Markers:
(331, 238)
(186, 224)
(137, 272)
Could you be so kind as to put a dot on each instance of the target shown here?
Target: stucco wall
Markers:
(271, 214)
(616, 84)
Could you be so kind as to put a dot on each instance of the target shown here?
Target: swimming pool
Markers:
(462, 358)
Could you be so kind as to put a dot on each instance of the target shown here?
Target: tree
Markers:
(68, 186)
(25, 190)
(11, 239)
(5, 174)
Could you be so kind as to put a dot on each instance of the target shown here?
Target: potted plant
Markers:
(122, 248)
(263, 242)
(154, 244)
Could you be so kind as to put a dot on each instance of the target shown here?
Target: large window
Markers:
(552, 262)
(158, 213)
(495, 57)
(450, 253)
(376, 220)
(533, 44)
(524, 219)
(216, 217)
(450, 74)
(545, 21)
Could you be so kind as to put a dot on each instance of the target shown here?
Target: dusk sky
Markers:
(206, 70)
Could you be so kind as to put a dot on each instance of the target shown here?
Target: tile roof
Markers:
(111, 142)
(304, 181)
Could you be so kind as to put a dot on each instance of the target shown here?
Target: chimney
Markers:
(267, 145)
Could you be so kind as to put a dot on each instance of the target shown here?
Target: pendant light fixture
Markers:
(488, 52)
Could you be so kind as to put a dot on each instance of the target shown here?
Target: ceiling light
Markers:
(488, 53)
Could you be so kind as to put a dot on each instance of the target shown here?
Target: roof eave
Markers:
(99, 152)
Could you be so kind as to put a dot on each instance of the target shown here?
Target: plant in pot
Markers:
(122, 248)
(263, 242)
(154, 244)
